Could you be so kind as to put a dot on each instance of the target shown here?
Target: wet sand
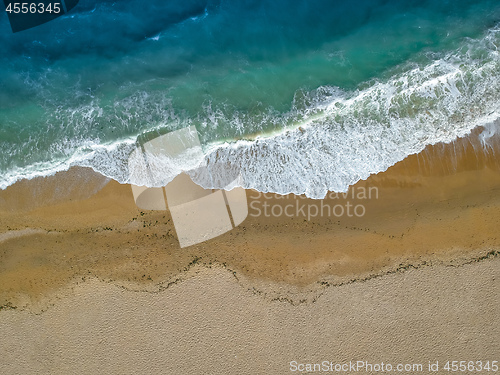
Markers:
(437, 212)
(441, 205)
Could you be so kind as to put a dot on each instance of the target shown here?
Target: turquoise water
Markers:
(368, 82)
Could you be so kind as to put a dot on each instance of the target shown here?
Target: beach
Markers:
(250, 187)
(415, 278)
(210, 324)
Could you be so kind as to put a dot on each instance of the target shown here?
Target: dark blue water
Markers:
(370, 81)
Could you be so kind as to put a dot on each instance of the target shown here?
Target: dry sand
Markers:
(211, 324)
(273, 290)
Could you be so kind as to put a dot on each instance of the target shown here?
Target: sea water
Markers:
(300, 96)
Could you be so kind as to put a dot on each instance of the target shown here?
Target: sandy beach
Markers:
(252, 187)
(210, 324)
(414, 278)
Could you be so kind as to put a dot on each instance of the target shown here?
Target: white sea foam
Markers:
(336, 139)
(366, 132)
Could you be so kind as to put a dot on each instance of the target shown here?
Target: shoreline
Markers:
(439, 206)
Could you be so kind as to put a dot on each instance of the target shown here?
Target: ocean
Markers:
(301, 96)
